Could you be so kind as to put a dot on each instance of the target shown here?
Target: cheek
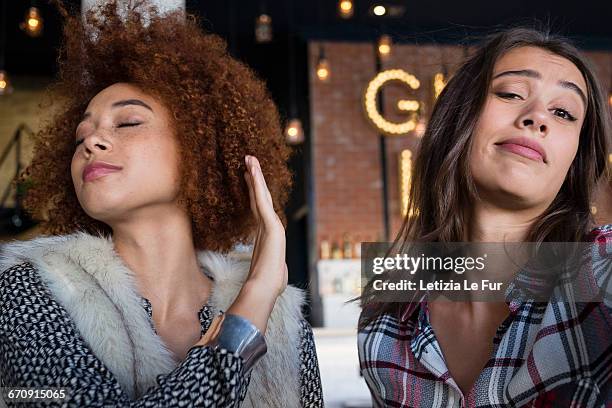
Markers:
(161, 162)
(493, 118)
(76, 170)
(565, 147)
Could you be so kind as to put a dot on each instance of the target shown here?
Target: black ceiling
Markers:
(590, 22)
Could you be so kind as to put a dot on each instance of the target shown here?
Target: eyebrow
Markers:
(121, 103)
(530, 73)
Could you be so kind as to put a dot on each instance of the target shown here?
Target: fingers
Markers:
(249, 180)
(263, 198)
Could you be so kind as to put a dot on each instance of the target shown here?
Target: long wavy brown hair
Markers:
(443, 188)
(220, 111)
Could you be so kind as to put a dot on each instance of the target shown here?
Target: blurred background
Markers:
(355, 81)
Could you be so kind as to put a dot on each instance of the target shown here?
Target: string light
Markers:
(384, 46)
(369, 101)
(408, 105)
(346, 8)
(294, 133)
(33, 22)
(5, 84)
(405, 177)
(439, 82)
(263, 28)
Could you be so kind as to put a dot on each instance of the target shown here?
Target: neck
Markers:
(493, 224)
(158, 248)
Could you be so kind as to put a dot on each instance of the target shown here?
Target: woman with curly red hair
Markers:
(165, 155)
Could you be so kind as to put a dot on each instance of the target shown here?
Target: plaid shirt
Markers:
(544, 354)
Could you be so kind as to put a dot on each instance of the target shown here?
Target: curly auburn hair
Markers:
(220, 111)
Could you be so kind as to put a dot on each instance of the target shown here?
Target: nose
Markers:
(96, 143)
(534, 118)
(527, 122)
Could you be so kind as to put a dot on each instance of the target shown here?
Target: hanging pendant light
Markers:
(384, 46)
(346, 8)
(33, 22)
(323, 71)
(5, 83)
(294, 133)
(263, 28)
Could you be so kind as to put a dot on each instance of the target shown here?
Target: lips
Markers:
(525, 147)
(98, 169)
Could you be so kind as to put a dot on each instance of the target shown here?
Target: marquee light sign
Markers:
(371, 109)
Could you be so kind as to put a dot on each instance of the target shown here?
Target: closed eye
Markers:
(120, 125)
(128, 124)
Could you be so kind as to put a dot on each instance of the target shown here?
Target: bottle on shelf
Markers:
(347, 246)
(325, 249)
(357, 248)
(336, 250)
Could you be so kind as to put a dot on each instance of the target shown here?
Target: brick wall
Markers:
(345, 146)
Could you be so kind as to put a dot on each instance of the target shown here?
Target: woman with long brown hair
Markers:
(515, 147)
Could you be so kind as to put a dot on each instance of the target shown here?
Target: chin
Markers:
(516, 190)
(100, 212)
(517, 197)
(100, 206)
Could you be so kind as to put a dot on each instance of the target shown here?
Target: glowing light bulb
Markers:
(5, 83)
(345, 8)
(323, 71)
(33, 22)
(294, 134)
(384, 46)
(379, 10)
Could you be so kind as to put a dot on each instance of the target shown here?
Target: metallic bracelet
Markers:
(240, 336)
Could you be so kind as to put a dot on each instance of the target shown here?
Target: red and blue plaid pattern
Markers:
(556, 354)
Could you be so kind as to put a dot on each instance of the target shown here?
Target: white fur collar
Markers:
(92, 283)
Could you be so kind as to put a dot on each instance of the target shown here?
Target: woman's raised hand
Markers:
(267, 277)
(268, 263)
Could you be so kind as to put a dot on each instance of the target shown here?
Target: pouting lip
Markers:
(526, 142)
(98, 165)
